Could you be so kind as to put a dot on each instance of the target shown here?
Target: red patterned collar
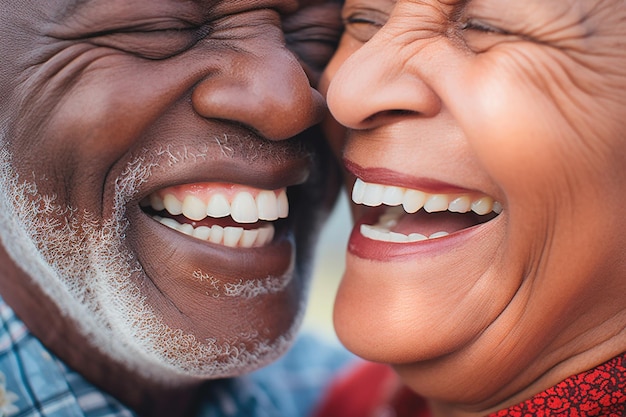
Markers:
(598, 392)
(372, 390)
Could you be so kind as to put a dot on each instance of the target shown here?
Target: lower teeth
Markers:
(228, 236)
(384, 235)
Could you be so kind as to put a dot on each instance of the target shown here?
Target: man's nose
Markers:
(269, 93)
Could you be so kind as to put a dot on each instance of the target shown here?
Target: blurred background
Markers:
(328, 269)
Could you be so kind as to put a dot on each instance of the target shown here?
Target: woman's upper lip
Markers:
(387, 176)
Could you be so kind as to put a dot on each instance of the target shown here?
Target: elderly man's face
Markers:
(148, 152)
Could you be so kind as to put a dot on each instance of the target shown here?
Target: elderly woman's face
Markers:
(160, 181)
(506, 121)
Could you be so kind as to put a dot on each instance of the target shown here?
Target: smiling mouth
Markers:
(231, 215)
(411, 215)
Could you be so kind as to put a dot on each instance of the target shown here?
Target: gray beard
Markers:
(85, 268)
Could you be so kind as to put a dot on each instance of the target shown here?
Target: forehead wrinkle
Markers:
(420, 18)
(602, 9)
(72, 7)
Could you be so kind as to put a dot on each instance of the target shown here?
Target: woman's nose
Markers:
(268, 93)
(375, 86)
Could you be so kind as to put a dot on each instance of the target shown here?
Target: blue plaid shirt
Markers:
(34, 383)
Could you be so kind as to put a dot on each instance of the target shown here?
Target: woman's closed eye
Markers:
(480, 26)
(362, 24)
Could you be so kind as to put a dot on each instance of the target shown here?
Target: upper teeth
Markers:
(242, 206)
(412, 201)
(245, 205)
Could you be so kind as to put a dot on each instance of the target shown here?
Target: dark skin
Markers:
(91, 86)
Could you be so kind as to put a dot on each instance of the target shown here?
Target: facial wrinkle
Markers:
(83, 265)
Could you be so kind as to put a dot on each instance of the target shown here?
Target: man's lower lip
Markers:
(229, 263)
(376, 250)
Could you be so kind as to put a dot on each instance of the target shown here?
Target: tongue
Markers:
(429, 223)
(209, 221)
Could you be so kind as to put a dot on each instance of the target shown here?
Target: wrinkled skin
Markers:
(107, 102)
(522, 102)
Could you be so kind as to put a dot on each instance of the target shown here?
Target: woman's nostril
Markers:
(388, 114)
(400, 112)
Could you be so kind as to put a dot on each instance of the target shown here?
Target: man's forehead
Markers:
(72, 5)
(311, 2)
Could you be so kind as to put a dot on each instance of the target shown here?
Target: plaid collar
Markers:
(34, 383)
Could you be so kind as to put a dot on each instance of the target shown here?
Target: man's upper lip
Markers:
(389, 177)
(261, 173)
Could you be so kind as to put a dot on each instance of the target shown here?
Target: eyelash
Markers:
(477, 25)
(470, 24)
(356, 20)
(362, 25)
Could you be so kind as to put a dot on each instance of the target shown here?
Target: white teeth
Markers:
(414, 200)
(172, 205)
(186, 229)
(436, 203)
(248, 238)
(461, 204)
(232, 236)
(218, 206)
(283, 204)
(217, 234)
(398, 237)
(393, 196)
(383, 235)
(266, 234)
(373, 195)
(244, 208)
(267, 205)
(202, 232)
(416, 237)
(193, 208)
(169, 222)
(373, 232)
(227, 236)
(358, 191)
(483, 205)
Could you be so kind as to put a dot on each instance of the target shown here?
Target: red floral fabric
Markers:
(373, 390)
(599, 392)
